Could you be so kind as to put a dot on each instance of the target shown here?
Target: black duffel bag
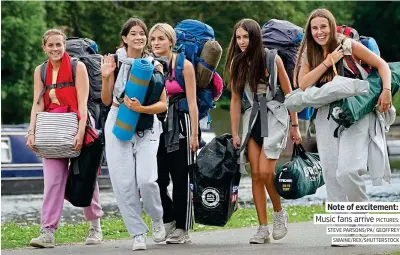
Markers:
(83, 172)
(216, 182)
(301, 176)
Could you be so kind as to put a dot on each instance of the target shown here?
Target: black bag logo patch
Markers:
(210, 197)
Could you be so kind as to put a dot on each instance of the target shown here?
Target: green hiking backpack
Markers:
(349, 110)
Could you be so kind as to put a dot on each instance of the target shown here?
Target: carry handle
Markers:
(298, 149)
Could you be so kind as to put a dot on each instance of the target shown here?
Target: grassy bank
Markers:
(14, 235)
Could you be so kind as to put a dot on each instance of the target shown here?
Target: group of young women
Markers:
(143, 167)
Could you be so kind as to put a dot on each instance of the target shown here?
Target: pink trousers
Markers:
(55, 172)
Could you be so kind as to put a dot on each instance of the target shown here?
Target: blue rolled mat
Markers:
(136, 86)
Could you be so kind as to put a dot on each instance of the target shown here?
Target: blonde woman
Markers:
(179, 141)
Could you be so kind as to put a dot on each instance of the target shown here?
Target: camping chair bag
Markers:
(55, 134)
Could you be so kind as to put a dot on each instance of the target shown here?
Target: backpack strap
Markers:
(117, 66)
(179, 65)
(201, 61)
(272, 69)
(43, 71)
(350, 62)
(43, 74)
(74, 63)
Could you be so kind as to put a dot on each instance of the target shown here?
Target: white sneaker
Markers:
(169, 228)
(139, 242)
(261, 236)
(158, 231)
(95, 236)
(280, 228)
(44, 240)
(179, 236)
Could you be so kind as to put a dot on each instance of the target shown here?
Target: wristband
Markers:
(325, 65)
(388, 89)
(30, 132)
(295, 125)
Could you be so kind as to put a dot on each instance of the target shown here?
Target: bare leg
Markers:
(267, 172)
(258, 188)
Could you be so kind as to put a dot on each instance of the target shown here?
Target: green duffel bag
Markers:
(349, 110)
(301, 176)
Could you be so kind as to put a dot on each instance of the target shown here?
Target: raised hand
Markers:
(107, 65)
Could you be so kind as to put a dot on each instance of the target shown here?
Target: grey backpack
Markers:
(285, 37)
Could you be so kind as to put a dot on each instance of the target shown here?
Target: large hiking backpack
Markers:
(285, 37)
(192, 36)
(349, 110)
(81, 46)
(368, 42)
(84, 50)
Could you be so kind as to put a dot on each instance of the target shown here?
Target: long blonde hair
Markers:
(167, 29)
(314, 51)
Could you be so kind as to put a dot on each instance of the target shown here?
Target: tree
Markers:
(21, 34)
(24, 24)
(380, 20)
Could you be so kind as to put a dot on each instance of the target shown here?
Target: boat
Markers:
(21, 169)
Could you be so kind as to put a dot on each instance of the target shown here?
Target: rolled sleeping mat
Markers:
(210, 57)
(136, 86)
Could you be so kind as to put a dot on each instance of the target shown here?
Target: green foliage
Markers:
(380, 20)
(22, 29)
(24, 24)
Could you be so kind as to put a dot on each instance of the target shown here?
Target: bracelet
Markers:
(28, 134)
(295, 125)
(325, 65)
(387, 89)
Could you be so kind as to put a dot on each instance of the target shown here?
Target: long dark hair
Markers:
(248, 65)
(131, 22)
(314, 51)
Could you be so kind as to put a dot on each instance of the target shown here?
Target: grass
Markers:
(394, 253)
(15, 236)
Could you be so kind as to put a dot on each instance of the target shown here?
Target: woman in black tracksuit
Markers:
(179, 141)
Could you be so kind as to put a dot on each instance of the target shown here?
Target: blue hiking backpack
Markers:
(191, 35)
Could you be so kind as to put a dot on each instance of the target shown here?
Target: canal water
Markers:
(26, 208)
